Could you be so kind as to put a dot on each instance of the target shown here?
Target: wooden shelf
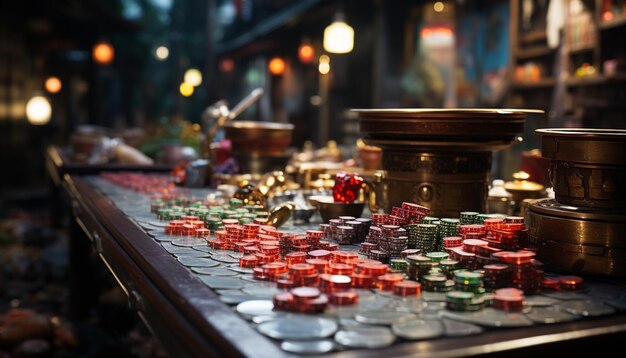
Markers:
(581, 49)
(543, 83)
(532, 52)
(618, 21)
(533, 36)
(596, 80)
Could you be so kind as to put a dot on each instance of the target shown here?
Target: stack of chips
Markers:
(468, 281)
(464, 301)
(496, 276)
(508, 299)
(524, 273)
(407, 288)
(418, 266)
(448, 266)
(398, 265)
(468, 217)
(425, 237)
(448, 227)
(436, 281)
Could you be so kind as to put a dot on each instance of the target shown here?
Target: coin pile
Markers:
(508, 299)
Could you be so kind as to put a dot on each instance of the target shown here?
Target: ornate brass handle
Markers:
(370, 189)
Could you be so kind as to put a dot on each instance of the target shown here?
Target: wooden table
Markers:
(188, 318)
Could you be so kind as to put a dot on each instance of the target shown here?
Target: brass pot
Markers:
(259, 138)
(440, 158)
(588, 166)
(575, 239)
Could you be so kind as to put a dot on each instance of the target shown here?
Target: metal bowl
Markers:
(303, 215)
(259, 138)
(329, 209)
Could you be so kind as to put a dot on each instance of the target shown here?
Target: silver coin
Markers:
(586, 308)
(214, 271)
(262, 292)
(459, 329)
(157, 223)
(418, 329)
(252, 308)
(192, 253)
(365, 337)
(163, 238)
(298, 328)
(308, 347)
(175, 249)
(236, 255)
(188, 241)
(197, 262)
(550, 315)
(204, 248)
(239, 269)
(229, 292)
(349, 323)
(216, 282)
(225, 258)
(249, 278)
(489, 317)
(236, 299)
(384, 317)
(261, 319)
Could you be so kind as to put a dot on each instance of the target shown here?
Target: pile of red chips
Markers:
(190, 226)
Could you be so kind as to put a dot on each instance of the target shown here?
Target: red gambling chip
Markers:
(362, 281)
(343, 256)
(319, 254)
(518, 257)
(340, 269)
(344, 298)
(387, 282)
(302, 269)
(285, 283)
(335, 282)
(302, 294)
(249, 261)
(258, 274)
(372, 269)
(509, 292)
(274, 268)
(312, 280)
(320, 265)
(571, 282)
(551, 283)
(407, 288)
(296, 257)
(316, 305)
(283, 301)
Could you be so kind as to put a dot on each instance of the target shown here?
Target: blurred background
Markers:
(150, 71)
(147, 69)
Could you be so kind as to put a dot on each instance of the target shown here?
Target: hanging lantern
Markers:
(276, 66)
(186, 89)
(38, 110)
(162, 53)
(193, 76)
(324, 65)
(53, 84)
(227, 65)
(339, 36)
(306, 53)
(103, 53)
